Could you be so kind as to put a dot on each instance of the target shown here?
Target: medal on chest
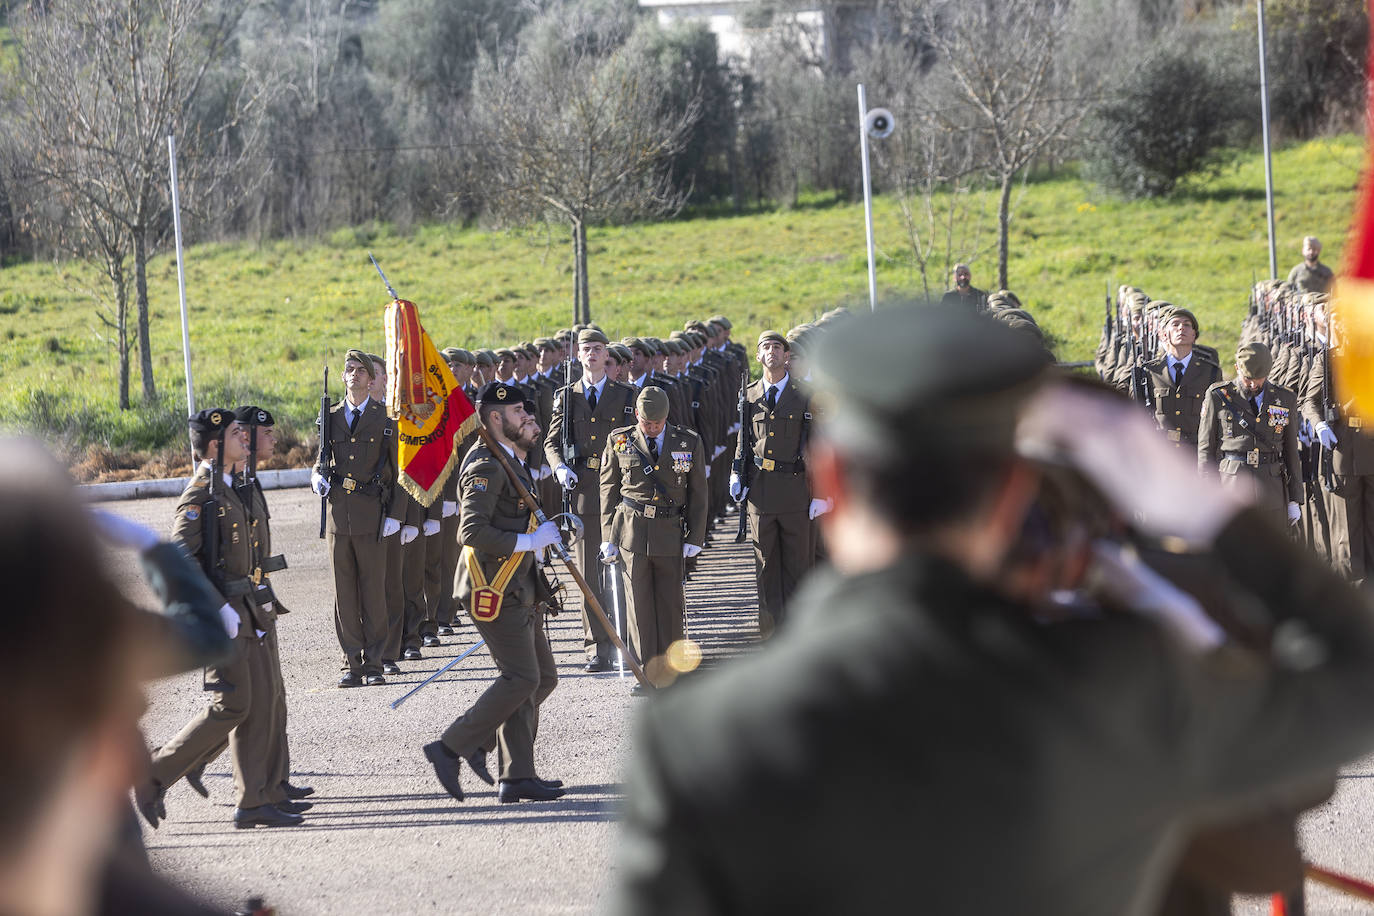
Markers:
(682, 462)
(1278, 417)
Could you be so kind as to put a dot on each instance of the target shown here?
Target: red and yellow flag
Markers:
(1353, 297)
(432, 413)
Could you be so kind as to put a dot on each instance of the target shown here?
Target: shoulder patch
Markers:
(479, 484)
(193, 513)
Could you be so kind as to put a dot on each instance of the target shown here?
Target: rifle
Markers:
(210, 560)
(744, 459)
(325, 456)
(568, 447)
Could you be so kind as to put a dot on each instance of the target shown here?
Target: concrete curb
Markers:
(145, 489)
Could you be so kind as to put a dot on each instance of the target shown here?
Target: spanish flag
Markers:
(432, 413)
(1352, 307)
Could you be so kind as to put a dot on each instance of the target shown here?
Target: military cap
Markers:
(951, 370)
(592, 335)
(622, 353)
(722, 321)
(358, 356)
(1178, 311)
(499, 394)
(637, 343)
(1254, 360)
(652, 403)
(450, 353)
(466, 358)
(774, 336)
(654, 346)
(254, 416)
(563, 334)
(545, 343)
(212, 420)
(505, 353)
(676, 346)
(483, 357)
(695, 325)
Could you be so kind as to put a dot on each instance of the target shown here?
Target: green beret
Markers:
(1254, 360)
(505, 353)
(950, 369)
(465, 357)
(591, 335)
(652, 403)
(358, 356)
(654, 346)
(450, 354)
(775, 336)
(622, 353)
(483, 357)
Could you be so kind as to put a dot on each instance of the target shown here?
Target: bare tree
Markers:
(100, 85)
(580, 132)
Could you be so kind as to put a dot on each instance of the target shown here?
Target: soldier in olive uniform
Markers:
(1311, 276)
(1248, 433)
(358, 483)
(243, 707)
(654, 515)
(584, 414)
(499, 585)
(781, 508)
(1181, 378)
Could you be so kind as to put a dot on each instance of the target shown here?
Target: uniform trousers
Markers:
(360, 599)
(596, 640)
(510, 706)
(783, 552)
(418, 621)
(395, 599)
(233, 714)
(657, 606)
(1351, 511)
(445, 605)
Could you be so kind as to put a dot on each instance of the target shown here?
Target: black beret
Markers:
(499, 394)
(212, 420)
(254, 416)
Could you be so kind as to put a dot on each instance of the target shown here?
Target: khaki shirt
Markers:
(1311, 279)
(679, 513)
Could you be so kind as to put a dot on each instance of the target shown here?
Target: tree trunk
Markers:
(1003, 221)
(115, 271)
(145, 351)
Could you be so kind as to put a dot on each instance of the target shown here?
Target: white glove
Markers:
(123, 532)
(566, 477)
(450, 508)
(689, 551)
(390, 526)
(430, 527)
(319, 483)
(545, 535)
(818, 508)
(230, 618)
(719, 450)
(609, 551)
(708, 472)
(408, 534)
(1294, 513)
(545, 472)
(1326, 436)
(737, 489)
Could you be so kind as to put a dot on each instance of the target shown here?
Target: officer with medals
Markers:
(654, 513)
(1248, 434)
(498, 583)
(212, 524)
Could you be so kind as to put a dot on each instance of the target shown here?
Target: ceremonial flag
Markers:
(432, 413)
(1353, 300)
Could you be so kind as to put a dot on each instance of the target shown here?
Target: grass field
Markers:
(264, 319)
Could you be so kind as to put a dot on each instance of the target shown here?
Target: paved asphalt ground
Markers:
(383, 836)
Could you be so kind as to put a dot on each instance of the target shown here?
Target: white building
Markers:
(736, 22)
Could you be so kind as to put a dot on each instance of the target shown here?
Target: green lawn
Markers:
(265, 318)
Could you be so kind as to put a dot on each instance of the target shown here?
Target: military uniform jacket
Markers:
(1230, 431)
(1178, 408)
(356, 458)
(1354, 452)
(238, 543)
(1058, 760)
(1311, 279)
(773, 442)
(492, 516)
(667, 520)
(588, 432)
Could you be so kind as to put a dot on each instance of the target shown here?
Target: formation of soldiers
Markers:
(1276, 428)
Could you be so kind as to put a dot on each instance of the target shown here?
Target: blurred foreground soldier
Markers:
(70, 718)
(1181, 378)
(1311, 276)
(498, 583)
(1249, 434)
(654, 515)
(965, 294)
(1062, 761)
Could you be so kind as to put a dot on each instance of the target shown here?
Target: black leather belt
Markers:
(650, 510)
(787, 467)
(352, 485)
(1254, 457)
(592, 463)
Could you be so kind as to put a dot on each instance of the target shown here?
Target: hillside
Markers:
(264, 319)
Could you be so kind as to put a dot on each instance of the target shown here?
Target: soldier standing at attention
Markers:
(1181, 378)
(1311, 276)
(781, 508)
(584, 414)
(1249, 434)
(358, 484)
(654, 512)
(497, 583)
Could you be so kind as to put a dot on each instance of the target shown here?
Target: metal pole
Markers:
(1268, 159)
(181, 276)
(868, 201)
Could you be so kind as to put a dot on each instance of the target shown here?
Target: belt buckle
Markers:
(1175, 435)
(257, 575)
(651, 511)
(1354, 422)
(769, 464)
(349, 484)
(593, 464)
(1252, 457)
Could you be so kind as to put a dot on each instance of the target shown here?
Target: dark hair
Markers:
(892, 489)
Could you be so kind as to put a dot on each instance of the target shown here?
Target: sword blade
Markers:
(420, 686)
